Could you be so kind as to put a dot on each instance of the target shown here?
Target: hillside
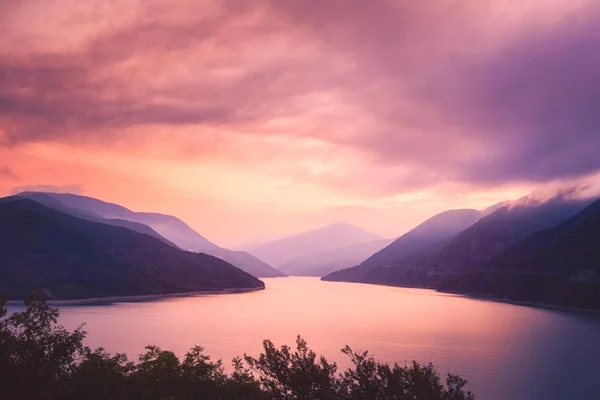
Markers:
(54, 203)
(433, 230)
(167, 227)
(327, 238)
(320, 264)
(543, 252)
(410, 245)
(427, 261)
(570, 248)
(558, 266)
(475, 246)
(70, 257)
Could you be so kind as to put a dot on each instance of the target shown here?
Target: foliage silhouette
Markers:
(40, 359)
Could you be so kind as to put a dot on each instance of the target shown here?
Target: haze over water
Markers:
(505, 351)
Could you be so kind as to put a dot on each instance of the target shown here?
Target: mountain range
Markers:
(319, 251)
(433, 230)
(476, 245)
(164, 227)
(429, 233)
(70, 258)
(529, 250)
(559, 266)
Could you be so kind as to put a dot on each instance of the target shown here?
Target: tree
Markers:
(101, 376)
(37, 355)
(372, 380)
(40, 359)
(287, 375)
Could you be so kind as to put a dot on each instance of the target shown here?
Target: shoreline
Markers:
(525, 303)
(475, 296)
(138, 298)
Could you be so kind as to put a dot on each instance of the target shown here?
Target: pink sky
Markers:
(255, 119)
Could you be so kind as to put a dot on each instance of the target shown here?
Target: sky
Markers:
(253, 119)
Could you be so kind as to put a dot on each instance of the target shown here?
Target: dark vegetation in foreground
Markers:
(40, 359)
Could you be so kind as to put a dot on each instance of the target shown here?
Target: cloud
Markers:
(74, 189)
(403, 95)
(534, 104)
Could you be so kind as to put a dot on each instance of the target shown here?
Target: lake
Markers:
(505, 351)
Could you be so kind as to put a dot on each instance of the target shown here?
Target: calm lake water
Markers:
(505, 351)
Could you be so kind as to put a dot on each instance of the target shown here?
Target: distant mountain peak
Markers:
(341, 224)
(329, 237)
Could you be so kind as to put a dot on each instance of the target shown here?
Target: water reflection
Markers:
(506, 351)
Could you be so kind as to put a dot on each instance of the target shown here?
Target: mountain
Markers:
(489, 210)
(166, 227)
(250, 263)
(434, 230)
(495, 257)
(419, 256)
(475, 246)
(330, 237)
(569, 248)
(51, 202)
(323, 263)
(70, 257)
(557, 266)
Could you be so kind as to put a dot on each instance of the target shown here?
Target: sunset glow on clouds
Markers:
(252, 119)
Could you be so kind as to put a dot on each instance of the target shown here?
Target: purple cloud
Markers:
(425, 92)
